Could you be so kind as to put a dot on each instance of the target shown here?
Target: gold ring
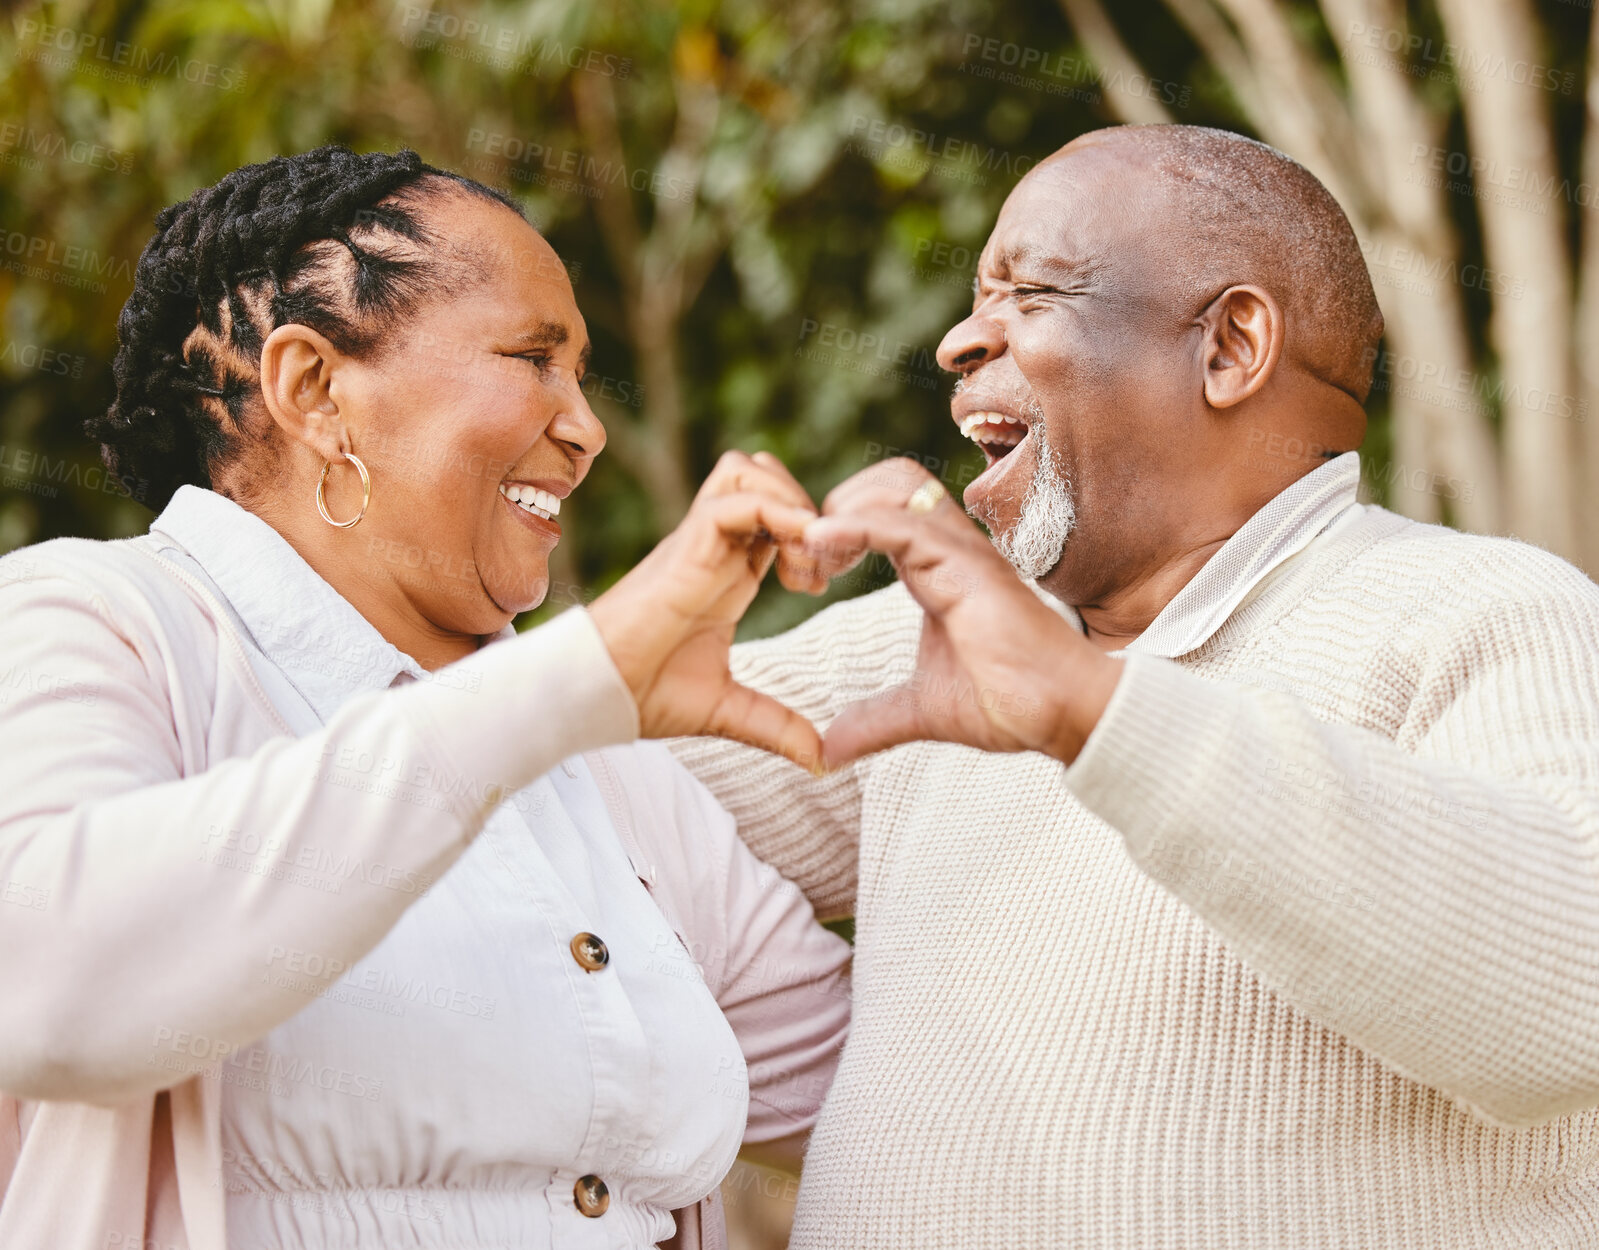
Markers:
(927, 496)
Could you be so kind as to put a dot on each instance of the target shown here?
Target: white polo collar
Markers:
(1279, 531)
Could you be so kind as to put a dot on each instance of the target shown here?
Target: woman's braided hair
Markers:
(329, 239)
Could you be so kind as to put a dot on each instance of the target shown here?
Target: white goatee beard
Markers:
(1035, 545)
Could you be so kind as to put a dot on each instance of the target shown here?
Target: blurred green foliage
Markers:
(771, 208)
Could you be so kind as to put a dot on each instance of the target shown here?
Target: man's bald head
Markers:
(1243, 212)
(1159, 310)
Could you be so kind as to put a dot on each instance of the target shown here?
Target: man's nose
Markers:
(973, 342)
(576, 428)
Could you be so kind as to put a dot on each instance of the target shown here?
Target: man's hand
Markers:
(669, 623)
(996, 669)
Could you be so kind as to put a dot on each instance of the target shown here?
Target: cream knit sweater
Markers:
(1303, 951)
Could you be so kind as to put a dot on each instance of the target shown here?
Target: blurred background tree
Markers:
(771, 211)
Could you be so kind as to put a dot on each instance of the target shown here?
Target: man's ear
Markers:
(297, 369)
(1243, 340)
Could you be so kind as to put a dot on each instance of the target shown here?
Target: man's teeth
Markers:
(532, 499)
(976, 421)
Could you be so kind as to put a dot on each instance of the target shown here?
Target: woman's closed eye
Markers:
(545, 363)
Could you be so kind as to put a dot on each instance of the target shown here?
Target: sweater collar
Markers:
(1265, 542)
(311, 632)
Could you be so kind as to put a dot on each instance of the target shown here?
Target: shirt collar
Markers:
(322, 644)
(1279, 531)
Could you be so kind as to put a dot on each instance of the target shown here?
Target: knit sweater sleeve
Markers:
(1434, 897)
(808, 828)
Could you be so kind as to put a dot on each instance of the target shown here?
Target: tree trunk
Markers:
(1437, 426)
(1105, 48)
(1586, 344)
(1509, 127)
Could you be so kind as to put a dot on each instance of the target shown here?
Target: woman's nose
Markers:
(576, 428)
(975, 341)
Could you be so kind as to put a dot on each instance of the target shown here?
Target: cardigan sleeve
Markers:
(1435, 898)
(809, 827)
(141, 905)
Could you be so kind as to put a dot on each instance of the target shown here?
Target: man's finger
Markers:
(940, 557)
(898, 534)
(884, 720)
(757, 719)
(834, 556)
(887, 484)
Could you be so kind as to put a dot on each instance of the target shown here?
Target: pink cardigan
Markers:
(131, 715)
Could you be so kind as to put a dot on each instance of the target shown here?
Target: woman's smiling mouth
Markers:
(541, 503)
(536, 507)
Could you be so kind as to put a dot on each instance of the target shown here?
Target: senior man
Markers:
(1279, 926)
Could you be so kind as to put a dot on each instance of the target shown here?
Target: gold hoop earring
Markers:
(366, 492)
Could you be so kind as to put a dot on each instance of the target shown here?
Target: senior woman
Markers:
(327, 925)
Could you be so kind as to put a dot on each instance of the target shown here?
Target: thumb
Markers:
(886, 719)
(756, 719)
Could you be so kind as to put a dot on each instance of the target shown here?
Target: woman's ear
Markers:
(1243, 340)
(297, 370)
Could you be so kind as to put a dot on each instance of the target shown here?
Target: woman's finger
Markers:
(747, 517)
(757, 719)
(798, 570)
(763, 473)
(780, 471)
(756, 529)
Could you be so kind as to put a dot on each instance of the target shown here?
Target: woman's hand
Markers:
(669, 623)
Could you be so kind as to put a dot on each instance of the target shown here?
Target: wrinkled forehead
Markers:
(1092, 205)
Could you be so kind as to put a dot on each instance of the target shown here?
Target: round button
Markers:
(591, 1196)
(590, 952)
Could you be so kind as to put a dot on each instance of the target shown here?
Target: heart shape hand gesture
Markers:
(996, 668)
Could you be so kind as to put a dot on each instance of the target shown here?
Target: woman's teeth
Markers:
(532, 499)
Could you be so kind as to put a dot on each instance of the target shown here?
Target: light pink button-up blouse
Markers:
(288, 954)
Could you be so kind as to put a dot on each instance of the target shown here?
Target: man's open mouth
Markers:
(997, 434)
